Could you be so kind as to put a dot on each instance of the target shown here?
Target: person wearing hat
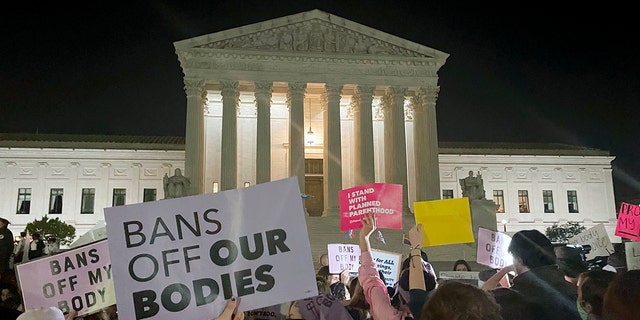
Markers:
(6, 246)
(538, 277)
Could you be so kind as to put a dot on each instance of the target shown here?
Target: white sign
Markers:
(78, 279)
(469, 277)
(183, 258)
(389, 264)
(632, 250)
(493, 249)
(597, 238)
(343, 257)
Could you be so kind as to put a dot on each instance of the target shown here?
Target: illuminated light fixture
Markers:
(310, 136)
(504, 225)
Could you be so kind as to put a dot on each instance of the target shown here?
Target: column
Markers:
(295, 102)
(432, 164)
(425, 144)
(229, 147)
(263, 139)
(396, 157)
(361, 104)
(194, 135)
(332, 151)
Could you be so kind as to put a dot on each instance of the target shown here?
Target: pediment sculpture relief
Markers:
(313, 36)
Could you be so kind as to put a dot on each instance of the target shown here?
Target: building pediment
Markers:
(311, 32)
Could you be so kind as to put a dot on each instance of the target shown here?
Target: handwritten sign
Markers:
(343, 257)
(628, 222)
(389, 264)
(493, 249)
(632, 250)
(382, 199)
(78, 279)
(445, 221)
(597, 238)
(183, 258)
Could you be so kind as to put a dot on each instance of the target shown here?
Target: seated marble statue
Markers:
(176, 186)
(472, 187)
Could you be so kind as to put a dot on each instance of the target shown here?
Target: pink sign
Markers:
(628, 222)
(382, 199)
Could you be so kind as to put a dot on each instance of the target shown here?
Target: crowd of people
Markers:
(539, 285)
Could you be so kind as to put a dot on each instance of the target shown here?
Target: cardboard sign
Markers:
(469, 277)
(597, 238)
(493, 249)
(445, 221)
(277, 312)
(382, 199)
(632, 250)
(389, 263)
(79, 279)
(183, 258)
(343, 257)
(628, 222)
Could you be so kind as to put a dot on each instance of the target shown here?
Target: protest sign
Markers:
(79, 279)
(469, 277)
(632, 251)
(389, 264)
(277, 312)
(493, 249)
(597, 238)
(628, 225)
(382, 199)
(445, 221)
(182, 258)
(343, 257)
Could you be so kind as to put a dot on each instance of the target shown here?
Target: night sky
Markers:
(516, 72)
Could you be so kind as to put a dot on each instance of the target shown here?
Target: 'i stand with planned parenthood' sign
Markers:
(183, 258)
(382, 199)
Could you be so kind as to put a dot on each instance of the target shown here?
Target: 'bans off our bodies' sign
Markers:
(382, 199)
(183, 258)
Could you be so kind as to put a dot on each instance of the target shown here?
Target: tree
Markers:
(55, 228)
(563, 232)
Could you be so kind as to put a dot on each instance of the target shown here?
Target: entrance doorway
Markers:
(313, 186)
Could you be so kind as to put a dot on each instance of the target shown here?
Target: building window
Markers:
(447, 194)
(55, 200)
(547, 200)
(149, 195)
(88, 200)
(498, 199)
(24, 201)
(523, 201)
(119, 196)
(216, 187)
(572, 199)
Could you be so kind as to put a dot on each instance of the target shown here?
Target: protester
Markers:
(358, 307)
(336, 282)
(570, 262)
(36, 247)
(375, 291)
(48, 313)
(622, 296)
(417, 280)
(514, 306)
(592, 285)
(538, 277)
(457, 300)
(461, 265)
(6, 246)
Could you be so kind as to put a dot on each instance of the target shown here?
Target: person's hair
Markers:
(464, 262)
(407, 260)
(593, 285)
(324, 273)
(621, 297)
(454, 300)
(569, 261)
(323, 285)
(533, 247)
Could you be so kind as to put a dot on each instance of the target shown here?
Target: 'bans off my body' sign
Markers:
(382, 199)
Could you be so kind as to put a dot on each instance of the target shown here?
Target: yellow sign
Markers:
(445, 221)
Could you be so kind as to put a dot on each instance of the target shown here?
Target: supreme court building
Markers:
(329, 101)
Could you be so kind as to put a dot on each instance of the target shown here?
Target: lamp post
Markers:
(504, 225)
